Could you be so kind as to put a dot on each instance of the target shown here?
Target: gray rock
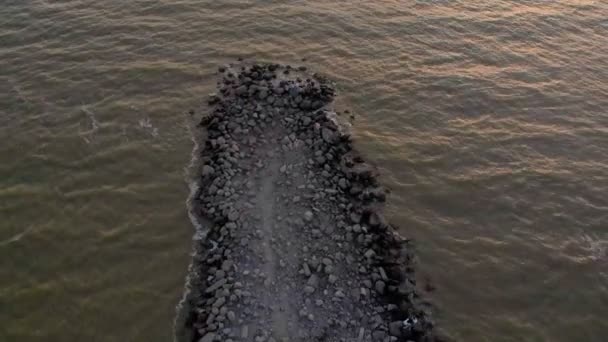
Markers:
(306, 269)
(378, 335)
(294, 92)
(219, 302)
(382, 273)
(263, 93)
(361, 334)
(370, 253)
(227, 265)
(242, 90)
(209, 337)
(216, 285)
(308, 216)
(233, 215)
(305, 104)
(313, 281)
(380, 287)
(377, 220)
(394, 328)
(208, 170)
(328, 135)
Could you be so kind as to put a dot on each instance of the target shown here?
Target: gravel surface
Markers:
(297, 248)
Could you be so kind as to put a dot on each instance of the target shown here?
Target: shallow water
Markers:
(487, 119)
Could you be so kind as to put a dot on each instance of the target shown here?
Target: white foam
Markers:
(146, 124)
(86, 136)
(200, 232)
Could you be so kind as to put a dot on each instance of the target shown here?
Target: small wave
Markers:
(191, 172)
(598, 249)
(94, 124)
(15, 238)
(146, 124)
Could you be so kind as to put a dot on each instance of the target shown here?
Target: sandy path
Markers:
(278, 299)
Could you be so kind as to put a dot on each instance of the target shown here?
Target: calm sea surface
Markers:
(488, 120)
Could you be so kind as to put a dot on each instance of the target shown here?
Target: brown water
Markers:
(488, 119)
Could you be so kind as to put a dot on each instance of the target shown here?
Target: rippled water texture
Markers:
(488, 120)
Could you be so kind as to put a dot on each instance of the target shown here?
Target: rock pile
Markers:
(298, 248)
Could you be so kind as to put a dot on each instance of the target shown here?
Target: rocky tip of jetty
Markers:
(297, 246)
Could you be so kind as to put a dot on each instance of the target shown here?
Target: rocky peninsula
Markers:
(296, 247)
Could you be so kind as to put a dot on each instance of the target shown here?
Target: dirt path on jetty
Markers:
(298, 249)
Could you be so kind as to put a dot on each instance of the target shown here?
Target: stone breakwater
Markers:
(297, 247)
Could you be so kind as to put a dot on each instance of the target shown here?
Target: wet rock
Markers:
(212, 100)
(376, 220)
(328, 135)
(208, 170)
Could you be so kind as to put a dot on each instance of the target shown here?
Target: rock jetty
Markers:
(297, 247)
